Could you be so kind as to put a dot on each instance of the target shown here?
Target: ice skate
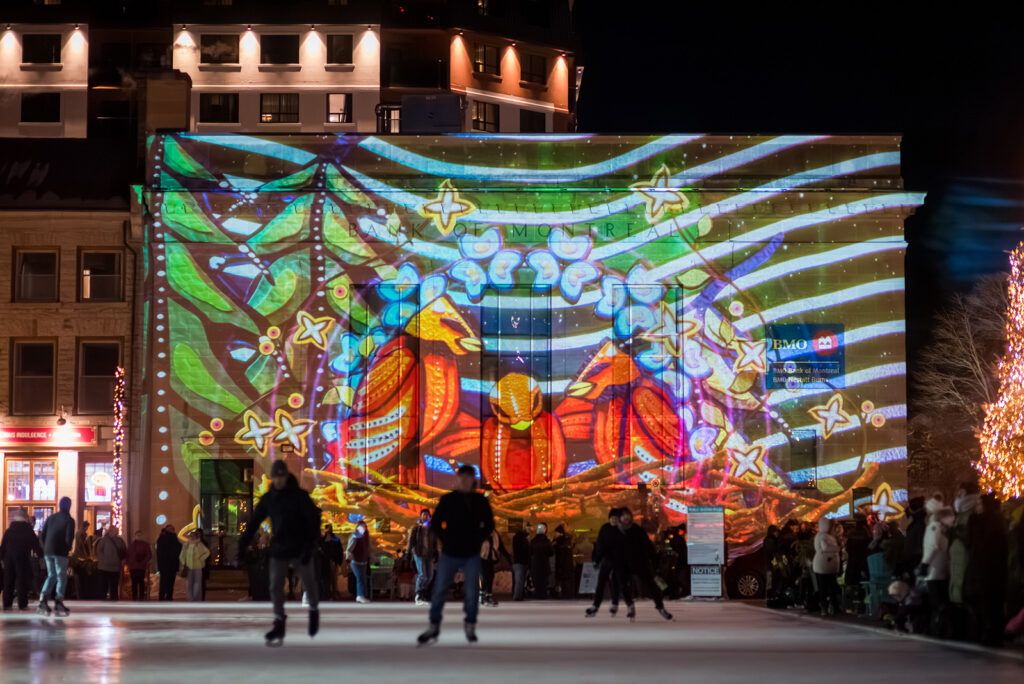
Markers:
(614, 609)
(314, 622)
(362, 599)
(664, 613)
(592, 611)
(470, 629)
(420, 601)
(631, 613)
(60, 610)
(44, 608)
(275, 637)
(429, 636)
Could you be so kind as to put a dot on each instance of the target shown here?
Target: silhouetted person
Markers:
(16, 548)
(139, 555)
(57, 537)
(610, 557)
(110, 554)
(541, 552)
(520, 564)
(168, 552)
(640, 563)
(422, 546)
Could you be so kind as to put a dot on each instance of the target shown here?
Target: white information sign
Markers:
(705, 535)
(706, 580)
(588, 579)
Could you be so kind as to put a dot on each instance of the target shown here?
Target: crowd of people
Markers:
(947, 571)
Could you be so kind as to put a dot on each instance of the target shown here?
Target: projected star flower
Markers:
(474, 274)
(747, 461)
(254, 432)
(751, 355)
(291, 431)
(884, 504)
(660, 195)
(831, 416)
(312, 330)
(447, 208)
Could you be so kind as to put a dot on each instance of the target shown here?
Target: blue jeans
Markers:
(56, 575)
(362, 583)
(424, 573)
(518, 581)
(446, 570)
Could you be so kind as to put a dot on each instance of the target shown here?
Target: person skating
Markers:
(57, 537)
(609, 557)
(422, 546)
(358, 552)
(295, 526)
(541, 553)
(168, 553)
(16, 548)
(639, 553)
(462, 521)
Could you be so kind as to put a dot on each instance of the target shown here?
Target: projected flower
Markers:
(577, 273)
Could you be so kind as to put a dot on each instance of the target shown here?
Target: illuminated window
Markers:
(339, 108)
(218, 107)
(485, 59)
(32, 386)
(218, 48)
(531, 122)
(101, 277)
(97, 362)
(36, 276)
(98, 482)
(40, 107)
(279, 49)
(279, 108)
(483, 7)
(40, 48)
(31, 485)
(339, 48)
(535, 69)
(485, 117)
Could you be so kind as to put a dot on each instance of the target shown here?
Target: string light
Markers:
(117, 496)
(1001, 467)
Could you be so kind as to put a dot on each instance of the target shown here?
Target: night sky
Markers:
(952, 83)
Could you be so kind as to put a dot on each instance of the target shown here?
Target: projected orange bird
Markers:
(410, 391)
(624, 412)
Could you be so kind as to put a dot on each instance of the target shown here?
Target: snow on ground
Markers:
(533, 642)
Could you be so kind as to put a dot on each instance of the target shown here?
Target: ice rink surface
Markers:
(532, 643)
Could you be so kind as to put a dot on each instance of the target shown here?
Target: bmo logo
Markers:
(825, 343)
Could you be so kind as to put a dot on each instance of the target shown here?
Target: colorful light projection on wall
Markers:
(717, 318)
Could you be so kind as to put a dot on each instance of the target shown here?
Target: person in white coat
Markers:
(826, 567)
(935, 557)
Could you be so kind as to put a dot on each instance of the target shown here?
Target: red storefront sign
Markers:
(56, 436)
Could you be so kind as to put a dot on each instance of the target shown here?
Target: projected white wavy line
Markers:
(825, 301)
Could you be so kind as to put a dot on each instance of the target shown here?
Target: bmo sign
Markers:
(805, 356)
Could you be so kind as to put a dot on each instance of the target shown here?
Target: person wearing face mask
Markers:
(358, 553)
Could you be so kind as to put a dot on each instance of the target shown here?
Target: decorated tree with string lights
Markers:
(1001, 466)
(117, 498)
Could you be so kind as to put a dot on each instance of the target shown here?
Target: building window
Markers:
(279, 108)
(40, 48)
(485, 59)
(97, 362)
(98, 482)
(485, 117)
(40, 107)
(483, 7)
(535, 69)
(339, 48)
(32, 485)
(36, 278)
(339, 108)
(218, 48)
(218, 107)
(101, 276)
(279, 49)
(531, 121)
(32, 374)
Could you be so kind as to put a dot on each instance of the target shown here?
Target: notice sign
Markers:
(804, 356)
(588, 579)
(706, 580)
(56, 436)
(705, 535)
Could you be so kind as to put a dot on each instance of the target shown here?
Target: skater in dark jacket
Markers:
(639, 562)
(610, 558)
(16, 548)
(57, 537)
(168, 551)
(462, 521)
(541, 551)
(295, 526)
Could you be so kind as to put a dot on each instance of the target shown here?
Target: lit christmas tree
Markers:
(1001, 467)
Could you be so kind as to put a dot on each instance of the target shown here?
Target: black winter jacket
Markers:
(639, 549)
(58, 534)
(294, 521)
(462, 521)
(609, 545)
(18, 542)
(168, 552)
(521, 548)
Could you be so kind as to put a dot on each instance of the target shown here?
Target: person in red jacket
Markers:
(139, 555)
